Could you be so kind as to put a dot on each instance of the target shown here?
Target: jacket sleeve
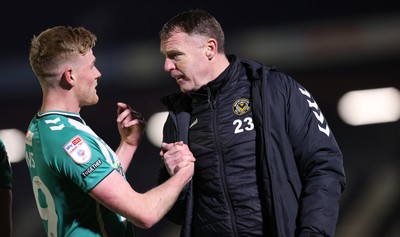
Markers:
(319, 161)
(177, 212)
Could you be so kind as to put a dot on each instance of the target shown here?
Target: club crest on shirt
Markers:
(78, 150)
(241, 106)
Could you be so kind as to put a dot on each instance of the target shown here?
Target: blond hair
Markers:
(56, 45)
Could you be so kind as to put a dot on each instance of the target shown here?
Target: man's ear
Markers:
(212, 48)
(67, 79)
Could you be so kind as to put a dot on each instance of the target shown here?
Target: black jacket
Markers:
(299, 162)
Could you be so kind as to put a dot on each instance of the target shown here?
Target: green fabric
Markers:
(66, 160)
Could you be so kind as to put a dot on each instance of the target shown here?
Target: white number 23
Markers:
(247, 124)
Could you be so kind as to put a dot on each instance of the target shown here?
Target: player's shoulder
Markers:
(57, 120)
(55, 116)
(56, 126)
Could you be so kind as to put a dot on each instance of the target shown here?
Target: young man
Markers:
(267, 163)
(78, 181)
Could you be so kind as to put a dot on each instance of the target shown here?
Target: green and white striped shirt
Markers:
(66, 160)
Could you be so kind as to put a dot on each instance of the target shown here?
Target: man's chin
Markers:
(184, 90)
(92, 102)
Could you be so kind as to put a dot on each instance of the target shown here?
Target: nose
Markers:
(168, 65)
(98, 73)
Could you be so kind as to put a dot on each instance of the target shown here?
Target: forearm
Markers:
(320, 205)
(125, 154)
(142, 209)
(160, 200)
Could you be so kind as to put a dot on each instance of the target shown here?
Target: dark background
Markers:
(330, 48)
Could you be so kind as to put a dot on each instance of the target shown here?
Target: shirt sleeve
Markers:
(82, 159)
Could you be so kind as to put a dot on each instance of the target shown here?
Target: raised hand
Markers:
(131, 124)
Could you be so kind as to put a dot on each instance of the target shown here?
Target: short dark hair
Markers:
(196, 21)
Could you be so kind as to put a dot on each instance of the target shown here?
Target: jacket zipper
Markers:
(212, 104)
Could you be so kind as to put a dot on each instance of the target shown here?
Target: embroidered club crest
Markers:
(241, 106)
(78, 150)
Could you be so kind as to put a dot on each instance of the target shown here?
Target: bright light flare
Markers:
(14, 141)
(370, 106)
(154, 128)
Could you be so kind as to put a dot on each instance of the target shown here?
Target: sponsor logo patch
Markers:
(91, 168)
(241, 106)
(78, 150)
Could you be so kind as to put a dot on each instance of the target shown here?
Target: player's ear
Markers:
(67, 79)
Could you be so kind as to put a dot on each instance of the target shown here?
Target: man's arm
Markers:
(172, 161)
(145, 209)
(319, 161)
(130, 127)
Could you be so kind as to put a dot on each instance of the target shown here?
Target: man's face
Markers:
(186, 60)
(86, 75)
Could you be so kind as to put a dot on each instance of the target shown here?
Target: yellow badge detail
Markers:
(241, 106)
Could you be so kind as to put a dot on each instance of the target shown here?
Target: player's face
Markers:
(186, 60)
(87, 75)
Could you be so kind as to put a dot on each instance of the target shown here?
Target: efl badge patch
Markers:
(78, 150)
(241, 106)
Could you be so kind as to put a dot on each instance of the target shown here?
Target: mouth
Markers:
(179, 78)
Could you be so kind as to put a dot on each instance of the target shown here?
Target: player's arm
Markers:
(145, 209)
(130, 127)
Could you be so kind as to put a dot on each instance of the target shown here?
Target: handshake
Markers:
(176, 157)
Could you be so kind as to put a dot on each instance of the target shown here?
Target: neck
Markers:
(57, 100)
(220, 64)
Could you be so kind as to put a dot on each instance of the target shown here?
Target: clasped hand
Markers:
(176, 156)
